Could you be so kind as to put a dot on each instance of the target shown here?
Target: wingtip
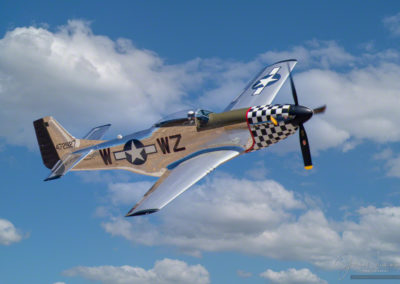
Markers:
(286, 60)
(51, 178)
(308, 167)
(141, 212)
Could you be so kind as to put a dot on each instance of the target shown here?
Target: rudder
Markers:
(54, 141)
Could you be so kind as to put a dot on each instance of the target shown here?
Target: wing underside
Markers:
(180, 178)
(264, 87)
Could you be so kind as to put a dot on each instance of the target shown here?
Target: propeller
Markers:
(294, 93)
(302, 115)
(319, 110)
(305, 148)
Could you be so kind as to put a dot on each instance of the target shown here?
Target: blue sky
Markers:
(131, 62)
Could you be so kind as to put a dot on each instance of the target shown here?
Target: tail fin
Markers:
(54, 141)
(60, 150)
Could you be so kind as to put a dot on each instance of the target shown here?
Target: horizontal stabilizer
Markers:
(66, 164)
(97, 133)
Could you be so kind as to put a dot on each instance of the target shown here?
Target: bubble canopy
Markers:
(182, 117)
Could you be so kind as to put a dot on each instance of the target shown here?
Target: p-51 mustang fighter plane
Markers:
(185, 146)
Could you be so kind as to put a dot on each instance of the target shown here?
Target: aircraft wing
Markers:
(179, 177)
(264, 87)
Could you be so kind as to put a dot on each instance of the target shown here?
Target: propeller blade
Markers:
(320, 109)
(294, 93)
(305, 148)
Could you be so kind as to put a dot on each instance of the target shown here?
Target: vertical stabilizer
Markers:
(54, 141)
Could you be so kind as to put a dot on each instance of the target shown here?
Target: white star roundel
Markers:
(267, 80)
(135, 152)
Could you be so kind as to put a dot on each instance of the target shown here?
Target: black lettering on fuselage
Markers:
(163, 143)
(106, 156)
(178, 138)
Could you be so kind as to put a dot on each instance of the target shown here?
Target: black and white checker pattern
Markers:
(264, 132)
(262, 114)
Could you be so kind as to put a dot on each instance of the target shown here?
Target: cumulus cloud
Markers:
(8, 233)
(263, 218)
(84, 79)
(392, 23)
(292, 276)
(164, 272)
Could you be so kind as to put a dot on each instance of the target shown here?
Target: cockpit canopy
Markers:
(202, 116)
(185, 117)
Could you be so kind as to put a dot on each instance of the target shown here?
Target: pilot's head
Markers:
(190, 115)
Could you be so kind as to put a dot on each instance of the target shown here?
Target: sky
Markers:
(261, 218)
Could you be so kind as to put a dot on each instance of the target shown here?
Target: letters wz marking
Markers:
(163, 143)
(106, 156)
(178, 138)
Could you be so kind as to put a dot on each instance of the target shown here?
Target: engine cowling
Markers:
(269, 124)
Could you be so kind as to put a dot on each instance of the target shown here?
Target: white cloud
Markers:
(324, 134)
(84, 79)
(59, 283)
(392, 23)
(8, 233)
(323, 54)
(164, 272)
(350, 144)
(247, 208)
(292, 276)
(224, 213)
(128, 193)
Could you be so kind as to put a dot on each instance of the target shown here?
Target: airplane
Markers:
(184, 147)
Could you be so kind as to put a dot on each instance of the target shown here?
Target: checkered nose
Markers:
(301, 114)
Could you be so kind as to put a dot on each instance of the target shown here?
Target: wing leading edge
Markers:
(264, 87)
(174, 182)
